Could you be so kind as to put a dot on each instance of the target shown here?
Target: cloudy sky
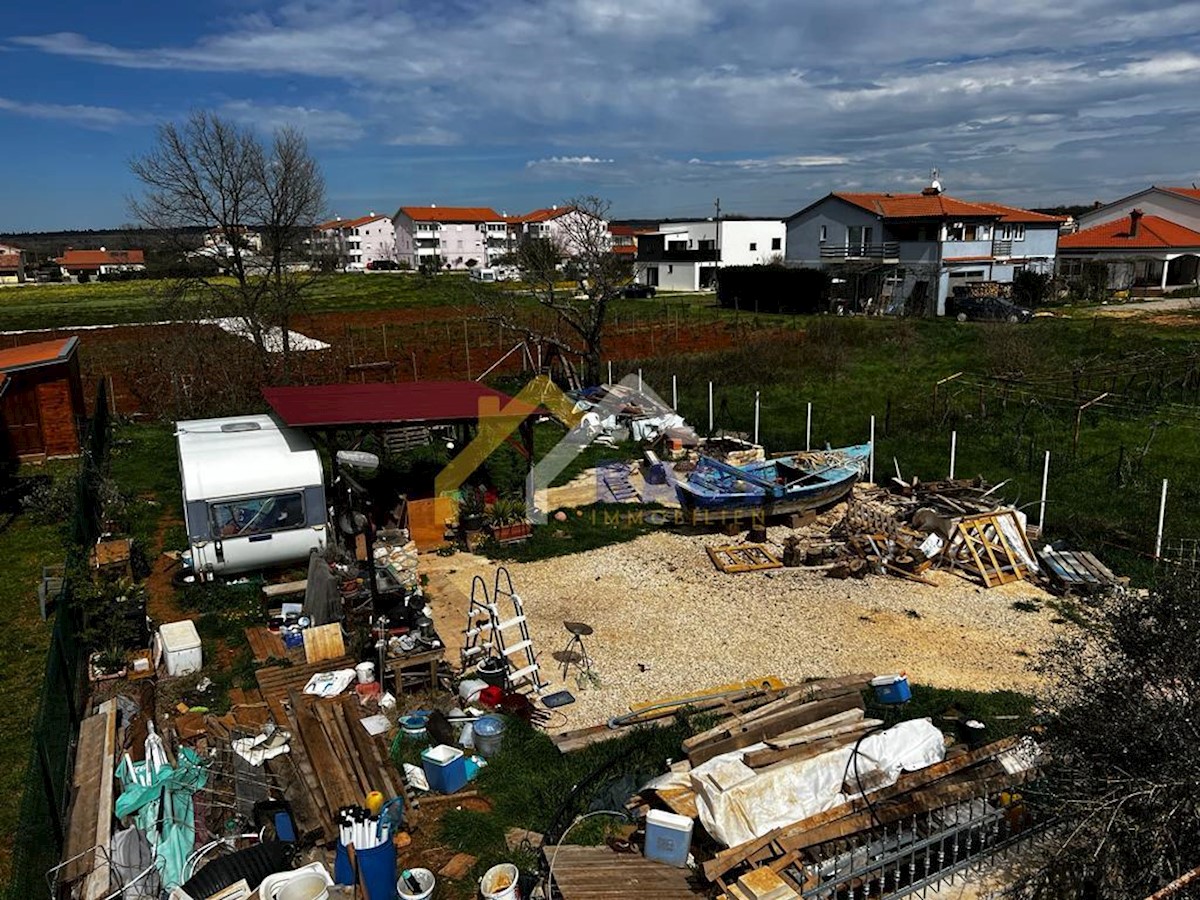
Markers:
(659, 105)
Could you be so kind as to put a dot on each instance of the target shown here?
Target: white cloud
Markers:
(99, 118)
(426, 136)
(321, 126)
(568, 161)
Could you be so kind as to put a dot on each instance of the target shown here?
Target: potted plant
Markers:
(506, 519)
(471, 509)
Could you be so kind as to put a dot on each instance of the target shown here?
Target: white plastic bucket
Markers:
(424, 878)
(501, 883)
(365, 672)
(309, 886)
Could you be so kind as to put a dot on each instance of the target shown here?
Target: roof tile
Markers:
(1154, 232)
(452, 214)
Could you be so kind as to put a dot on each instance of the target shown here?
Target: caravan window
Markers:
(256, 515)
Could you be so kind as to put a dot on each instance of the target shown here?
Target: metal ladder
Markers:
(486, 628)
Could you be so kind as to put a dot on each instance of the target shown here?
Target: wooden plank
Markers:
(301, 785)
(761, 729)
(323, 642)
(760, 759)
(829, 727)
(770, 682)
(384, 776)
(85, 796)
(592, 873)
(742, 558)
(97, 884)
(285, 588)
(335, 785)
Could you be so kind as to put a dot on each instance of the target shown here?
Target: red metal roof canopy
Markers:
(26, 356)
(345, 405)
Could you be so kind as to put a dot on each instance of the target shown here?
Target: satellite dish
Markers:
(936, 185)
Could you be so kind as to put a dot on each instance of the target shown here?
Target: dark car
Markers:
(383, 265)
(990, 309)
(638, 291)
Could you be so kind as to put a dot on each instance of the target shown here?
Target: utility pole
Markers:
(717, 266)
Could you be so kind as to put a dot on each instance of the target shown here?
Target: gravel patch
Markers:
(667, 622)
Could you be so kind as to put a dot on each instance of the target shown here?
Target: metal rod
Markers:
(1042, 503)
(953, 452)
(871, 475)
(610, 371)
(710, 407)
(808, 428)
(756, 415)
(674, 393)
(639, 381)
(1162, 514)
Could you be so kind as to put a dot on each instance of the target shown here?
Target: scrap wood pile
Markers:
(906, 529)
(797, 777)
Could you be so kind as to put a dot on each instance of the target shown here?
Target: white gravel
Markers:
(667, 622)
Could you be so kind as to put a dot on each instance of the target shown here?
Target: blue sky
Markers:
(658, 106)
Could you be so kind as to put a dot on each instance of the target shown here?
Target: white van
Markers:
(484, 275)
(253, 494)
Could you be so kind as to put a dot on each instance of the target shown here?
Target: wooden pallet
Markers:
(995, 548)
(590, 873)
(89, 821)
(265, 643)
(1077, 570)
(743, 558)
(322, 642)
(276, 682)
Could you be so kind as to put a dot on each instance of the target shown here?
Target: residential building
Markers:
(892, 248)
(100, 262)
(1177, 204)
(1140, 251)
(458, 237)
(354, 243)
(685, 256)
(623, 239)
(13, 262)
(219, 241)
(560, 224)
(41, 400)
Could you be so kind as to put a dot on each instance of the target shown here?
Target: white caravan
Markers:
(253, 494)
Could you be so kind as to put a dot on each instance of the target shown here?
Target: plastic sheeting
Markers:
(738, 803)
(163, 809)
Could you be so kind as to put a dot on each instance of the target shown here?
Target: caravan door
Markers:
(250, 533)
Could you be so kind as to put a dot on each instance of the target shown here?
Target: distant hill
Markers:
(1073, 211)
(46, 244)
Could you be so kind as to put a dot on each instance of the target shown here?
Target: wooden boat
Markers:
(772, 487)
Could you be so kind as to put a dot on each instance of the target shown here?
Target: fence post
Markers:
(1162, 514)
(52, 803)
(871, 476)
(1042, 504)
(710, 408)
(756, 415)
(68, 678)
(674, 393)
(953, 451)
(610, 371)
(639, 381)
(808, 428)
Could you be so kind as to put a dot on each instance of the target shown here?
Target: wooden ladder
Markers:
(489, 633)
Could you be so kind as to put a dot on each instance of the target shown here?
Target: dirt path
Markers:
(162, 600)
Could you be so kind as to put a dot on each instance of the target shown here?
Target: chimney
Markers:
(1135, 217)
(930, 191)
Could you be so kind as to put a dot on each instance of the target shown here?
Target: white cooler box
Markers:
(180, 647)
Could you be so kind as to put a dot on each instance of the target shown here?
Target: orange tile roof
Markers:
(546, 214)
(1192, 193)
(10, 260)
(90, 259)
(625, 249)
(628, 230)
(1154, 232)
(937, 206)
(27, 355)
(333, 224)
(452, 214)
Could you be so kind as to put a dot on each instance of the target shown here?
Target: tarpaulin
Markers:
(161, 802)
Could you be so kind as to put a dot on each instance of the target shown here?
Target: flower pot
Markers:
(518, 531)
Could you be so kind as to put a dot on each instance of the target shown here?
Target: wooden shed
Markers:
(41, 399)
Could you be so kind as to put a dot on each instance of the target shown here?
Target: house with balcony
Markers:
(456, 237)
(685, 256)
(559, 224)
(1145, 254)
(890, 248)
(355, 243)
(13, 263)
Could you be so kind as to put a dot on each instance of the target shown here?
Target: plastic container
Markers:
(502, 882)
(413, 726)
(469, 689)
(488, 735)
(668, 837)
(181, 647)
(445, 769)
(891, 689)
(493, 670)
(377, 869)
(365, 672)
(424, 878)
(309, 886)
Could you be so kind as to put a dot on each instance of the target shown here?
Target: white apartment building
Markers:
(459, 237)
(554, 223)
(685, 256)
(360, 241)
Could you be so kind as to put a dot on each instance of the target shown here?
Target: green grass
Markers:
(25, 548)
(586, 528)
(39, 306)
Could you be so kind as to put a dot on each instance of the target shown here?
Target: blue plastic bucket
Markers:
(377, 869)
(891, 689)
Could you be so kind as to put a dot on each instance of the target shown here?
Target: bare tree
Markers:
(577, 252)
(211, 173)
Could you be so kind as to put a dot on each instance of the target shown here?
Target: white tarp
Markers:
(738, 803)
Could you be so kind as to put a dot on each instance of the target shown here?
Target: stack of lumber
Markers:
(962, 776)
(336, 761)
(89, 820)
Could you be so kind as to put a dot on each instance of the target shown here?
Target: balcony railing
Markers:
(656, 255)
(886, 250)
(1002, 248)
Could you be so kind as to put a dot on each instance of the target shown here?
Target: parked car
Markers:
(990, 309)
(382, 265)
(637, 291)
